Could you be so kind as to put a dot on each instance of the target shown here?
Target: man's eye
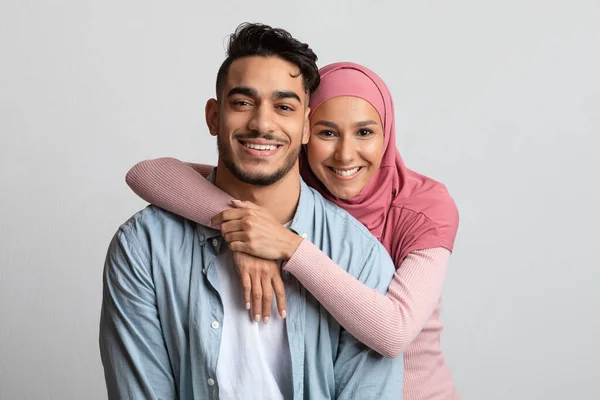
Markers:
(241, 103)
(285, 108)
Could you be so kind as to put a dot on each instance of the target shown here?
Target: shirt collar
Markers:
(205, 233)
(304, 217)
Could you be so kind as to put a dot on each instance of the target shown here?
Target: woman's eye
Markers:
(365, 132)
(327, 133)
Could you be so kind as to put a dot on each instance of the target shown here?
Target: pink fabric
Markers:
(412, 215)
(179, 188)
(405, 320)
(394, 186)
(388, 324)
(407, 212)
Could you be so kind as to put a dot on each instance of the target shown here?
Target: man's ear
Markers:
(211, 112)
(306, 133)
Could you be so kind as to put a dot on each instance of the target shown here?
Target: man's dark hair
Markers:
(254, 39)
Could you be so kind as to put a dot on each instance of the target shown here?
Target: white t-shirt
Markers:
(254, 358)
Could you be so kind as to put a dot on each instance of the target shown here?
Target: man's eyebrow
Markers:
(365, 123)
(286, 94)
(244, 90)
(328, 124)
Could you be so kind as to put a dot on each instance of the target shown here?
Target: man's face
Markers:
(260, 120)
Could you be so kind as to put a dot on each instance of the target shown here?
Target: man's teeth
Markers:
(260, 146)
(347, 172)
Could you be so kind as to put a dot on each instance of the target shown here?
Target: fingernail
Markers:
(283, 314)
(247, 306)
(266, 320)
(256, 318)
(235, 201)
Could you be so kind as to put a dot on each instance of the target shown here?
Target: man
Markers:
(171, 326)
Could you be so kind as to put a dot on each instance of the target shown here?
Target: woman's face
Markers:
(346, 144)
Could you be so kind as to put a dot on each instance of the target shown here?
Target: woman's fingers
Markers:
(267, 298)
(240, 247)
(260, 279)
(232, 226)
(229, 215)
(279, 290)
(257, 297)
(236, 237)
(246, 289)
(244, 204)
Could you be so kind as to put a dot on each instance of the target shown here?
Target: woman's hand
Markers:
(251, 229)
(260, 278)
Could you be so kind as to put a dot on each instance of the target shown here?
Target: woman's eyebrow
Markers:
(328, 124)
(365, 123)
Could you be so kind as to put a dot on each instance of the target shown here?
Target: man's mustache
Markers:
(258, 135)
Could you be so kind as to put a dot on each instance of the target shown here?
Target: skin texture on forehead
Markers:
(259, 72)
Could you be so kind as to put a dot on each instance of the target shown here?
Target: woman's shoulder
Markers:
(428, 198)
(424, 217)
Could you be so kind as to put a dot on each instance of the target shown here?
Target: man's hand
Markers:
(251, 229)
(260, 278)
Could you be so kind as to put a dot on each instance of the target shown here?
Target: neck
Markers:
(280, 198)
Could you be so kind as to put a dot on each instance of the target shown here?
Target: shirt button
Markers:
(211, 382)
(215, 242)
(202, 238)
(304, 236)
(215, 324)
(204, 271)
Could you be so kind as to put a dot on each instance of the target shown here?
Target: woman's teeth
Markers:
(345, 172)
(260, 146)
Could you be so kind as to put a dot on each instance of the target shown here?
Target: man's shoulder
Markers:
(348, 243)
(155, 226)
(341, 220)
(152, 216)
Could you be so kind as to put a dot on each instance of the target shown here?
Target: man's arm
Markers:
(362, 373)
(134, 355)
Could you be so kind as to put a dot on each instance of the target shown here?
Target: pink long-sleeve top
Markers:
(405, 320)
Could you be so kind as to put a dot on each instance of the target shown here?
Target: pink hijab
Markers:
(406, 211)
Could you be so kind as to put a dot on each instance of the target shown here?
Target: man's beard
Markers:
(256, 179)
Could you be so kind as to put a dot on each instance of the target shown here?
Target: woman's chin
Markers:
(342, 193)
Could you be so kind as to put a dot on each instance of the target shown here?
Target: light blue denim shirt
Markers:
(160, 325)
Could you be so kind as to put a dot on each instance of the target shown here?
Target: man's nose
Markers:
(262, 119)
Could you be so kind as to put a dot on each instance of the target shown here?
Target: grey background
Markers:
(499, 100)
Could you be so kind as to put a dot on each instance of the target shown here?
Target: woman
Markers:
(352, 160)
